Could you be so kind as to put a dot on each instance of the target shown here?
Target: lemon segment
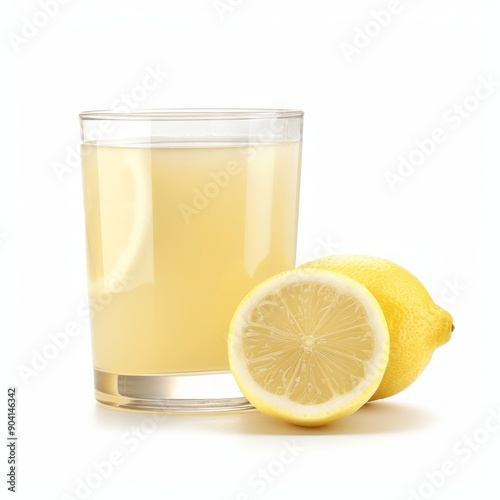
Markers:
(308, 346)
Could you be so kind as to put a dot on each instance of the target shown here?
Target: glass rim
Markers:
(175, 114)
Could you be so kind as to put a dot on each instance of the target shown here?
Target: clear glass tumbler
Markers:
(186, 211)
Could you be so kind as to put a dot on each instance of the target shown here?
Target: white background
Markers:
(360, 115)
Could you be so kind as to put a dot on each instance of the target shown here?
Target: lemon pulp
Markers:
(308, 342)
(308, 346)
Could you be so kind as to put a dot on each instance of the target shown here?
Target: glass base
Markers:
(175, 393)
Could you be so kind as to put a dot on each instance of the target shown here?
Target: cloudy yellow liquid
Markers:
(176, 236)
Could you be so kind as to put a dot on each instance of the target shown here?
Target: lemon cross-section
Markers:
(308, 346)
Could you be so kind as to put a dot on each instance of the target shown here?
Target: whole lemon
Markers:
(417, 326)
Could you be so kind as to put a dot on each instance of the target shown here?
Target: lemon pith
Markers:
(308, 346)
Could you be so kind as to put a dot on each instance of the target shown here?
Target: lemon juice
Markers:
(177, 234)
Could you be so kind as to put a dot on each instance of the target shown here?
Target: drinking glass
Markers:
(186, 211)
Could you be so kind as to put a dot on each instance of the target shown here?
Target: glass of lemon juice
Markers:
(186, 211)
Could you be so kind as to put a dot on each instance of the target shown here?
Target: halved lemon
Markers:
(308, 346)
